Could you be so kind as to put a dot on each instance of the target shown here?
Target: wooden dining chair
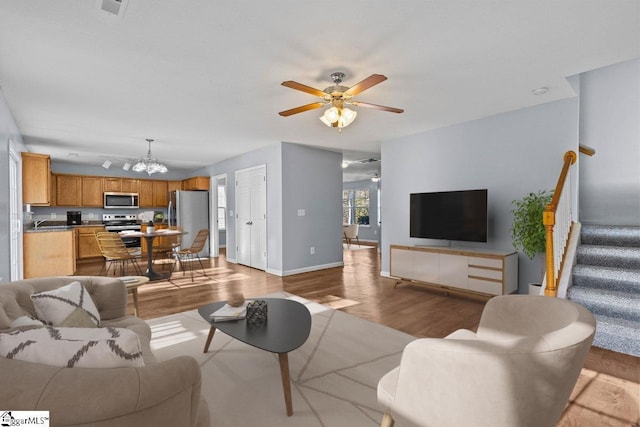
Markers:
(190, 254)
(114, 250)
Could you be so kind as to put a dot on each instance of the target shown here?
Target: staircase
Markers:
(606, 280)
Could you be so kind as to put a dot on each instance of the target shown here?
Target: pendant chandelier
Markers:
(149, 164)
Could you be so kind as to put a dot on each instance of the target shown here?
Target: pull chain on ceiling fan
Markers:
(339, 97)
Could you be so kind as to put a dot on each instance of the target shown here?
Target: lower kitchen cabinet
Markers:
(49, 253)
(87, 242)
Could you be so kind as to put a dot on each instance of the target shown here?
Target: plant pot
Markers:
(535, 289)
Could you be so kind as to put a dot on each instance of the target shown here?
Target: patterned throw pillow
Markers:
(53, 307)
(74, 347)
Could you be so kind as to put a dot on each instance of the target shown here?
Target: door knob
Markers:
(250, 223)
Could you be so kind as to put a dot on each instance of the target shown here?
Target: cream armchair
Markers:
(350, 232)
(517, 370)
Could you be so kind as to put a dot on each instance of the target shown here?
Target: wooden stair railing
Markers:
(557, 220)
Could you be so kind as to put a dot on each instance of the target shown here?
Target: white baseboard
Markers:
(305, 269)
(232, 260)
(385, 274)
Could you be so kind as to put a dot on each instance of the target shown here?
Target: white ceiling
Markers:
(202, 77)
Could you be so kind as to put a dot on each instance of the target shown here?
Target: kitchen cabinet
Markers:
(112, 184)
(196, 183)
(160, 194)
(36, 173)
(87, 242)
(68, 190)
(146, 193)
(462, 270)
(174, 185)
(49, 253)
(52, 191)
(92, 191)
(130, 185)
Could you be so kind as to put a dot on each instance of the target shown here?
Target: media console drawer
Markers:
(487, 273)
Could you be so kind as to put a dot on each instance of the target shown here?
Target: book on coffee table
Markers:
(228, 312)
(128, 279)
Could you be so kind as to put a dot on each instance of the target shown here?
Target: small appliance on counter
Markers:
(74, 217)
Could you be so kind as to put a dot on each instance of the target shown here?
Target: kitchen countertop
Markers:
(50, 226)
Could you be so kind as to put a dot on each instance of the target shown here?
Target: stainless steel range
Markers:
(123, 222)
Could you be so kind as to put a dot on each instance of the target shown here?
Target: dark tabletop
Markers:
(287, 327)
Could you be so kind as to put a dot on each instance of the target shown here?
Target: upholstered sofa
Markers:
(158, 393)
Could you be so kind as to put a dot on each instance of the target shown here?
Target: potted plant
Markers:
(528, 232)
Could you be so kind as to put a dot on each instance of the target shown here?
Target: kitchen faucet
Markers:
(37, 222)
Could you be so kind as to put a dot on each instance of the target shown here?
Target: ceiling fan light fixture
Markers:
(338, 117)
(375, 178)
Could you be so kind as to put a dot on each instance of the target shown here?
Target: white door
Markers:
(251, 217)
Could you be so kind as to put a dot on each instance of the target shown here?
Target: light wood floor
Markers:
(607, 393)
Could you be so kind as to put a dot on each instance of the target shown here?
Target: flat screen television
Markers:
(449, 215)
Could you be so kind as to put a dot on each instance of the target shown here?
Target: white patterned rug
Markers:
(334, 374)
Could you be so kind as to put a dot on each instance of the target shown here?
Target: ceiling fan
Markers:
(339, 97)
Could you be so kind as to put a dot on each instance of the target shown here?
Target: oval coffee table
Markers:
(287, 328)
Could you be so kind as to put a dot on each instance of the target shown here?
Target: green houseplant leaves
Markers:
(528, 231)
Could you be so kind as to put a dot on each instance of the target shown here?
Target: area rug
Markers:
(334, 374)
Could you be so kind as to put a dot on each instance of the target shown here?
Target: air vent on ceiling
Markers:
(114, 7)
(369, 160)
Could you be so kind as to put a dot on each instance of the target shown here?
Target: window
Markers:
(355, 206)
(222, 207)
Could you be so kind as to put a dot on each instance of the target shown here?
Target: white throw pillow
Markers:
(74, 347)
(53, 307)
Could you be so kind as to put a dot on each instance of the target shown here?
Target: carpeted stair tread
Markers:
(606, 280)
(609, 256)
(610, 278)
(612, 304)
(610, 235)
(619, 335)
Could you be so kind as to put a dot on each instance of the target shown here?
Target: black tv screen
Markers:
(450, 215)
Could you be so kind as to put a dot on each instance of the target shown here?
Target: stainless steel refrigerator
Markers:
(190, 210)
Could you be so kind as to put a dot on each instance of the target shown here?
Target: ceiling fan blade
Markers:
(377, 107)
(372, 80)
(302, 109)
(304, 88)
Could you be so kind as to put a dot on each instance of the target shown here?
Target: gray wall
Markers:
(271, 157)
(311, 181)
(298, 177)
(73, 168)
(509, 154)
(610, 123)
(372, 232)
(8, 131)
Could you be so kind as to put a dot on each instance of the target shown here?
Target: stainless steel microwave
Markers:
(121, 200)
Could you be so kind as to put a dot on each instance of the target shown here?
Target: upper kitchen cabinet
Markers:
(36, 173)
(160, 194)
(196, 183)
(130, 185)
(92, 191)
(146, 194)
(68, 190)
(174, 185)
(112, 184)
